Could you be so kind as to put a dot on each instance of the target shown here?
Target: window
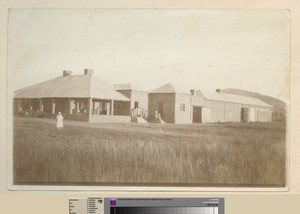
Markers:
(182, 107)
(136, 104)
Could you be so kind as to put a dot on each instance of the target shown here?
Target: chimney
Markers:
(88, 71)
(67, 73)
(218, 90)
(192, 92)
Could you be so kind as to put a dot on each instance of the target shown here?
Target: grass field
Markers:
(229, 154)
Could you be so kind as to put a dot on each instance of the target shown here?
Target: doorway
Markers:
(136, 104)
(197, 114)
(161, 109)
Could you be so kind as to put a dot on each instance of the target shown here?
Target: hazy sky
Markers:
(201, 49)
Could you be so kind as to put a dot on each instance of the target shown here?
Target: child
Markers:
(59, 121)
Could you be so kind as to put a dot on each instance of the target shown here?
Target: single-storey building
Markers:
(221, 107)
(88, 98)
(78, 97)
(138, 99)
(172, 103)
(177, 106)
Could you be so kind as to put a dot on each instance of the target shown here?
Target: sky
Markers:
(199, 49)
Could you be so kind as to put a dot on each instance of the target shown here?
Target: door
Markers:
(161, 109)
(196, 114)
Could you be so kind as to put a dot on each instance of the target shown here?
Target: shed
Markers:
(229, 108)
(172, 103)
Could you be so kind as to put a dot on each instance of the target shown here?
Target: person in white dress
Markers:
(59, 121)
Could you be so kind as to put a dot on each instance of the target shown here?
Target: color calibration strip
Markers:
(164, 210)
(94, 205)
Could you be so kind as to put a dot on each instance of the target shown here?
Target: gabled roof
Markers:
(127, 86)
(168, 89)
(73, 86)
(219, 96)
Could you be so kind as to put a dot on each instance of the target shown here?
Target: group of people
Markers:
(139, 112)
(98, 111)
(60, 120)
(29, 112)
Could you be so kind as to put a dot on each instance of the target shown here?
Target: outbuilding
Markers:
(221, 107)
(176, 106)
(172, 104)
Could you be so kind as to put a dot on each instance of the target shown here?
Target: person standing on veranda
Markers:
(59, 121)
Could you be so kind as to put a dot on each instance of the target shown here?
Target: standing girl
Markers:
(59, 121)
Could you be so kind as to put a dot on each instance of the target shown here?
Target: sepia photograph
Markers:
(149, 97)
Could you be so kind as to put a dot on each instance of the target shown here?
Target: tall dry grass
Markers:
(156, 154)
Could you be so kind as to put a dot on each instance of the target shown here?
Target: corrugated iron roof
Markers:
(168, 89)
(75, 86)
(230, 98)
